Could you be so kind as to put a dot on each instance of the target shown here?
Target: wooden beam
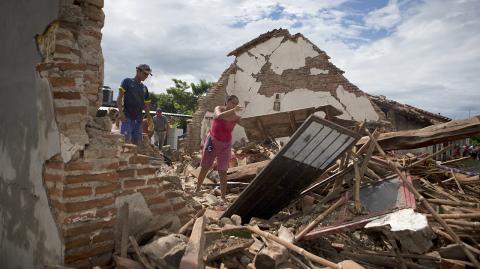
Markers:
(193, 257)
(245, 173)
(431, 135)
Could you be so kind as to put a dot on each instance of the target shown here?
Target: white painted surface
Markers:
(172, 137)
(359, 107)
(318, 71)
(405, 219)
(291, 55)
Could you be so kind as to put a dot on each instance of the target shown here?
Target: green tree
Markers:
(181, 98)
(201, 88)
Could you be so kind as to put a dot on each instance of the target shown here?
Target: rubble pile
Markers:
(367, 209)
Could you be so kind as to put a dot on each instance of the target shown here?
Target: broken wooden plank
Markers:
(246, 173)
(229, 250)
(318, 219)
(274, 254)
(301, 251)
(143, 260)
(431, 135)
(124, 212)
(193, 257)
(431, 155)
(426, 203)
(187, 225)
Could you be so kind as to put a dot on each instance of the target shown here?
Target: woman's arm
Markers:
(220, 113)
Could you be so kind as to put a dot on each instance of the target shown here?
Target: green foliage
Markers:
(181, 98)
(476, 140)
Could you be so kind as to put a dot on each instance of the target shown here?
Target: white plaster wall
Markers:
(359, 107)
(291, 55)
(284, 56)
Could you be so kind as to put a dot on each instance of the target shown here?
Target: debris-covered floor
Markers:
(367, 209)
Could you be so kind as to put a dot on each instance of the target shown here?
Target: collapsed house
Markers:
(279, 72)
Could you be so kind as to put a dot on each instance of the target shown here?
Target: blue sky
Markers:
(423, 53)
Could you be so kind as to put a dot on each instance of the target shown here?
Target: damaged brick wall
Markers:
(94, 166)
(279, 72)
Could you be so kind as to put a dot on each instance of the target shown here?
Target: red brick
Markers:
(171, 194)
(103, 177)
(97, 3)
(126, 173)
(71, 66)
(71, 110)
(79, 165)
(61, 82)
(107, 189)
(154, 181)
(89, 252)
(125, 192)
(146, 171)
(54, 191)
(179, 205)
(133, 183)
(84, 205)
(139, 159)
(88, 227)
(53, 178)
(62, 49)
(54, 165)
(82, 241)
(148, 191)
(67, 95)
(75, 192)
(156, 200)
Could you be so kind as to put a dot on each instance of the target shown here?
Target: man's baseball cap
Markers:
(145, 68)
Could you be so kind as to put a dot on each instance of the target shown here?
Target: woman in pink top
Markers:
(218, 143)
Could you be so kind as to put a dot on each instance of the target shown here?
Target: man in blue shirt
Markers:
(132, 98)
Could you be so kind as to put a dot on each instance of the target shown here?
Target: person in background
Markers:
(218, 143)
(113, 115)
(160, 123)
(133, 97)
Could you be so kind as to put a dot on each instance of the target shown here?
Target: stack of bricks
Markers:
(82, 194)
(73, 64)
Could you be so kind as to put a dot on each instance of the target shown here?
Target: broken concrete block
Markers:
(139, 215)
(452, 251)
(237, 220)
(409, 228)
(168, 249)
(226, 221)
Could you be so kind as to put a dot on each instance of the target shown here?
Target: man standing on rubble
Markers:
(218, 143)
(132, 98)
(160, 124)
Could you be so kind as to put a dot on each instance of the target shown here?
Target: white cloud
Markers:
(429, 59)
(385, 17)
